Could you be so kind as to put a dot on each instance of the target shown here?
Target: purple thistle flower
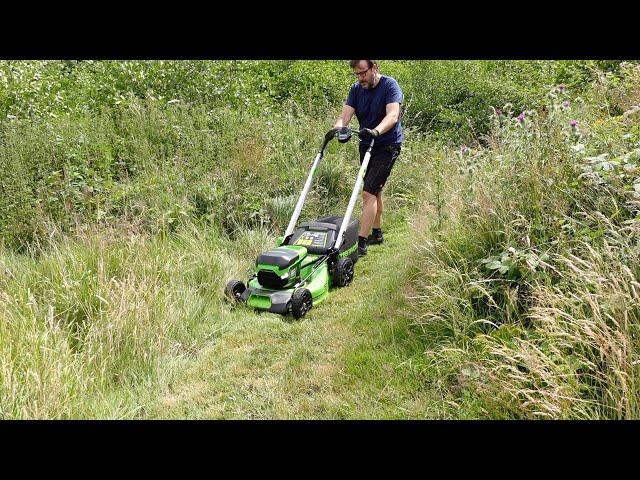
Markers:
(573, 123)
(561, 87)
(521, 117)
(566, 104)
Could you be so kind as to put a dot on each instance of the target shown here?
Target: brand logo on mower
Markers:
(348, 251)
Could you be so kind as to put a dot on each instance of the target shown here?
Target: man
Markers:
(375, 99)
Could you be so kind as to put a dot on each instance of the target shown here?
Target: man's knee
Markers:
(368, 197)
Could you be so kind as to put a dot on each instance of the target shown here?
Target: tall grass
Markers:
(581, 359)
(527, 297)
(90, 319)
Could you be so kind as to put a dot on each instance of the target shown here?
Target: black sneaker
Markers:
(375, 238)
(362, 246)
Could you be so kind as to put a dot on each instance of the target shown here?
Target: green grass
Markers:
(353, 356)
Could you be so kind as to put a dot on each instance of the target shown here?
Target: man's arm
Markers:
(390, 119)
(345, 117)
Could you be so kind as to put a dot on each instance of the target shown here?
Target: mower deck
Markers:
(278, 300)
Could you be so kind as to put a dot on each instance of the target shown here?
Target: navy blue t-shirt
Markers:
(370, 105)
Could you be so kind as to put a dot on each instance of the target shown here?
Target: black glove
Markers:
(331, 133)
(368, 133)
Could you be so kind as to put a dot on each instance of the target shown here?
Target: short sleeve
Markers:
(351, 98)
(394, 93)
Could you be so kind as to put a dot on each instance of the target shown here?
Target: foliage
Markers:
(537, 288)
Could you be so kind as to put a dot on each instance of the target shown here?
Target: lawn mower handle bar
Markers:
(307, 186)
(335, 133)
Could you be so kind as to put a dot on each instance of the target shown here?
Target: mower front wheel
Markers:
(301, 302)
(234, 289)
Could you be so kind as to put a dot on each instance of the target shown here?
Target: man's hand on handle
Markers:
(331, 133)
(368, 133)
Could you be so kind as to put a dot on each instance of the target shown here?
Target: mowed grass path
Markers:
(352, 356)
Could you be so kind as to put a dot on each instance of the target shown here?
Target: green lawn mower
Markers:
(310, 258)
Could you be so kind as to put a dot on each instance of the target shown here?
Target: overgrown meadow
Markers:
(527, 282)
(131, 191)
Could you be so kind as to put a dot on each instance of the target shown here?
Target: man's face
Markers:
(364, 74)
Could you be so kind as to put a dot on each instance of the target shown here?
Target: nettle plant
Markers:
(502, 289)
(514, 264)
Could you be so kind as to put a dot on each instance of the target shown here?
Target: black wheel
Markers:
(343, 272)
(301, 302)
(234, 289)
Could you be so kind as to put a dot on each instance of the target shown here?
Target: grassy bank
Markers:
(527, 293)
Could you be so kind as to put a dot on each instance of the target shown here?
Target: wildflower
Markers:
(521, 117)
(464, 150)
(561, 87)
(566, 104)
(573, 123)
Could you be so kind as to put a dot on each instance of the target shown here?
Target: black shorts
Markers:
(380, 164)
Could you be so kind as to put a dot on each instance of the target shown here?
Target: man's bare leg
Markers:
(377, 222)
(369, 213)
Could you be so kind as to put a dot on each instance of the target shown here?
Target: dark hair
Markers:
(354, 63)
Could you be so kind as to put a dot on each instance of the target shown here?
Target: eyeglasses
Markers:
(360, 74)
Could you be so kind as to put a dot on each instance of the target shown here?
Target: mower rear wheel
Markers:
(234, 289)
(343, 272)
(301, 302)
